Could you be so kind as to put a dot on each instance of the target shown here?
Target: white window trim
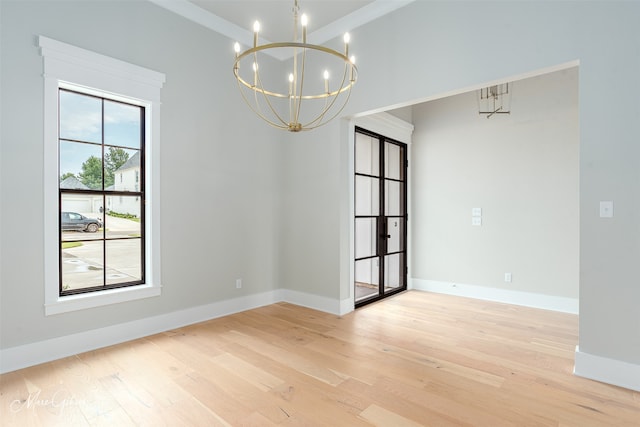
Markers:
(67, 66)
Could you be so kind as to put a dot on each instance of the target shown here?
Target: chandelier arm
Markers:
(260, 88)
(299, 107)
(305, 127)
(257, 112)
(273, 110)
(310, 126)
(255, 83)
(334, 98)
(254, 88)
(292, 116)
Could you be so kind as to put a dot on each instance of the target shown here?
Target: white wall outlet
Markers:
(606, 209)
(476, 211)
(238, 283)
(507, 277)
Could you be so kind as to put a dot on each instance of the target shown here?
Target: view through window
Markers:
(101, 192)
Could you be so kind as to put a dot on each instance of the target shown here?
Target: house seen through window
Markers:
(102, 242)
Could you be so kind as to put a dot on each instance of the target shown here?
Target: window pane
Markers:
(80, 166)
(367, 195)
(82, 265)
(367, 155)
(123, 216)
(124, 261)
(122, 124)
(123, 169)
(80, 117)
(80, 217)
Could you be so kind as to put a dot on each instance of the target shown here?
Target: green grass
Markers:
(67, 245)
(125, 216)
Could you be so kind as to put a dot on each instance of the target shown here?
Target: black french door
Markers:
(380, 217)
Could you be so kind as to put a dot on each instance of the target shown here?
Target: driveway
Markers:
(82, 266)
(115, 228)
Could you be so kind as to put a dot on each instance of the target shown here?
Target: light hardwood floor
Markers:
(415, 359)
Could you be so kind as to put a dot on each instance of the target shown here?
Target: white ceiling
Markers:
(327, 18)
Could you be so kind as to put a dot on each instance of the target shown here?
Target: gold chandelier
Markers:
(305, 100)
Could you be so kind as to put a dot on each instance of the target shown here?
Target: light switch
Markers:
(476, 220)
(476, 211)
(606, 209)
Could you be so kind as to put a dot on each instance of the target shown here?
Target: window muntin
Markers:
(101, 227)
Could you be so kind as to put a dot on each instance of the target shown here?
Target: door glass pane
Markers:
(393, 161)
(366, 237)
(80, 117)
(367, 196)
(82, 265)
(124, 261)
(366, 278)
(393, 266)
(395, 231)
(122, 124)
(367, 155)
(394, 198)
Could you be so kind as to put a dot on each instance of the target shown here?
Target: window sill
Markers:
(98, 299)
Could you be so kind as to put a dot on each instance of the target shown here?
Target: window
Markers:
(101, 232)
(99, 249)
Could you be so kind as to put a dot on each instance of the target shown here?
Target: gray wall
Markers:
(220, 174)
(311, 216)
(521, 169)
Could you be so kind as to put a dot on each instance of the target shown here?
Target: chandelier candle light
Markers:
(299, 102)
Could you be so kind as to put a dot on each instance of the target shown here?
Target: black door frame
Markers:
(382, 231)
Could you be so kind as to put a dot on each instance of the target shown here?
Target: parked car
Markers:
(73, 221)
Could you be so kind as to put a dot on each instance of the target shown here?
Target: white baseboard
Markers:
(328, 305)
(610, 371)
(528, 299)
(23, 356)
